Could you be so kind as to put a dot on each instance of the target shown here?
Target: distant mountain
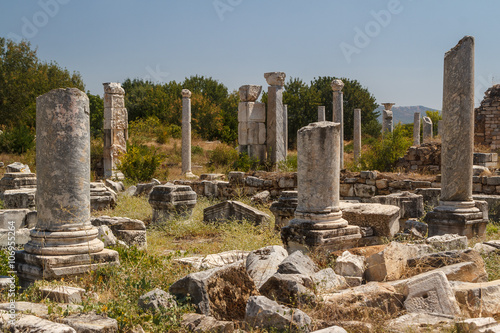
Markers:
(404, 114)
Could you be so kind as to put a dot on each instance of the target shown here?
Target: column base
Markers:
(461, 218)
(191, 175)
(328, 232)
(32, 267)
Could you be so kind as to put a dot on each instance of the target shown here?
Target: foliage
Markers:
(245, 163)
(96, 105)
(222, 156)
(289, 165)
(196, 150)
(435, 117)
(139, 163)
(384, 153)
(18, 139)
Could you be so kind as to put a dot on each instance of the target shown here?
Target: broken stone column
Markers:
(387, 118)
(186, 134)
(357, 135)
(338, 113)
(252, 127)
(115, 128)
(457, 213)
(427, 130)
(64, 242)
(285, 127)
(275, 140)
(318, 221)
(416, 129)
(321, 113)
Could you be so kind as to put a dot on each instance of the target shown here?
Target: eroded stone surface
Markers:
(261, 264)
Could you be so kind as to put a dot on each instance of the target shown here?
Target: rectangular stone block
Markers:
(384, 219)
(13, 215)
(257, 151)
(256, 112)
(113, 101)
(262, 134)
(242, 112)
(243, 133)
(253, 133)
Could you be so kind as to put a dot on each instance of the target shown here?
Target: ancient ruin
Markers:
(338, 113)
(275, 121)
(64, 242)
(427, 130)
(457, 212)
(186, 134)
(416, 128)
(115, 128)
(487, 119)
(387, 124)
(357, 135)
(252, 123)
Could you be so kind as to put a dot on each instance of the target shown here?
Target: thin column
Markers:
(285, 127)
(387, 122)
(186, 133)
(416, 129)
(275, 140)
(357, 135)
(321, 113)
(338, 113)
(427, 129)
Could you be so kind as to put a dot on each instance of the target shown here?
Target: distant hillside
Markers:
(404, 114)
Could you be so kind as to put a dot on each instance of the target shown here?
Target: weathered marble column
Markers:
(285, 127)
(275, 140)
(115, 128)
(338, 113)
(357, 135)
(387, 123)
(416, 129)
(64, 242)
(318, 220)
(427, 130)
(440, 128)
(457, 212)
(186, 134)
(321, 113)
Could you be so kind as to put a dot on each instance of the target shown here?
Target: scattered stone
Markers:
(235, 210)
(326, 281)
(261, 264)
(478, 299)
(22, 237)
(411, 205)
(389, 264)
(384, 219)
(63, 294)
(102, 197)
(91, 323)
(215, 260)
(18, 216)
(262, 312)
(37, 309)
(195, 322)
(350, 265)
(156, 299)
(131, 190)
(478, 325)
(289, 288)
(486, 248)
(261, 197)
(18, 167)
(331, 329)
(170, 200)
(219, 292)
(29, 323)
(448, 242)
(106, 235)
(17, 180)
(115, 186)
(298, 263)
(145, 188)
(19, 198)
(431, 293)
(212, 176)
(6, 282)
(420, 227)
(132, 232)
(411, 321)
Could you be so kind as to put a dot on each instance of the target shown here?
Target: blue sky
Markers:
(394, 48)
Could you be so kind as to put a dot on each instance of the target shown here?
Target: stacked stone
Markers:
(457, 212)
(427, 130)
(115, 128)
(318, 221)
(17, 178)
(252, 123)
(487, 119)
(275, 117)
(422, 158)
(338, 113)
(64, 242)
(168, 201)
(387, 123)
(102, 197)
(416, 128)
(284, 209)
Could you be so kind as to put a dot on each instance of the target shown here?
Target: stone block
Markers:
(327, 281)
(22, 237)
(258, 152)
(242, 112)
(384, 219)
(430, 196)
(346, 190)
(91, 323)
(448, 242)
(170, 200)
(411, 205)
(381, 183)
(17, 216)
(493, 180)
(156, 300)
(368, 174)
(478, 325)
(29, 323)
(235, 210)
(364, 191)
(350, 265)
(289, 288)
(391, 263)
(249, 92)
(63, 294)
(199, 323)
(243, 133)
(298, 263)
(19, 198)
(478, 299)
(256, 112)
(236, 177)
(17, 167)
(261, 139)
(431, 293)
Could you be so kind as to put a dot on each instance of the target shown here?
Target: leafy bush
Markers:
(96, 154)
(289, 165)
(245, 163)
(196, 150)
(174, 131)
(384, 153)
(222, 156)
(140, 162)
(17, 140)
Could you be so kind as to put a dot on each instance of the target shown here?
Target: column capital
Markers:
(337, 85)
(186, 93)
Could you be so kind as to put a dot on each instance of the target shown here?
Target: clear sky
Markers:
(394, 48)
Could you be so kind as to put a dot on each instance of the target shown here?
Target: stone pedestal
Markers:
(427, 130)
(338, 113)
(457, 212)
(318, 221)
(321, 113)
(252, 123)
(387, 124)
(357, 135)
(17, 180)
(168, 201)
(115, 128)
(186, 134)
(275, 140)
(416, 129)
(284, 209)
(64, 242)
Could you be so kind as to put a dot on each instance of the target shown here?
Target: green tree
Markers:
(96, 105)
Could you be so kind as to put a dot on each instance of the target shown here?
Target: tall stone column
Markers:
(357, 135)
(285, 127)
(64, 242)
(275, 140)
(252, 122)
(387, 124)
(318, 221)
(186, 134)
(338, 113)
(457, 212)
(416, 129)
(321, 113)
(427, 129)
(115, 128)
